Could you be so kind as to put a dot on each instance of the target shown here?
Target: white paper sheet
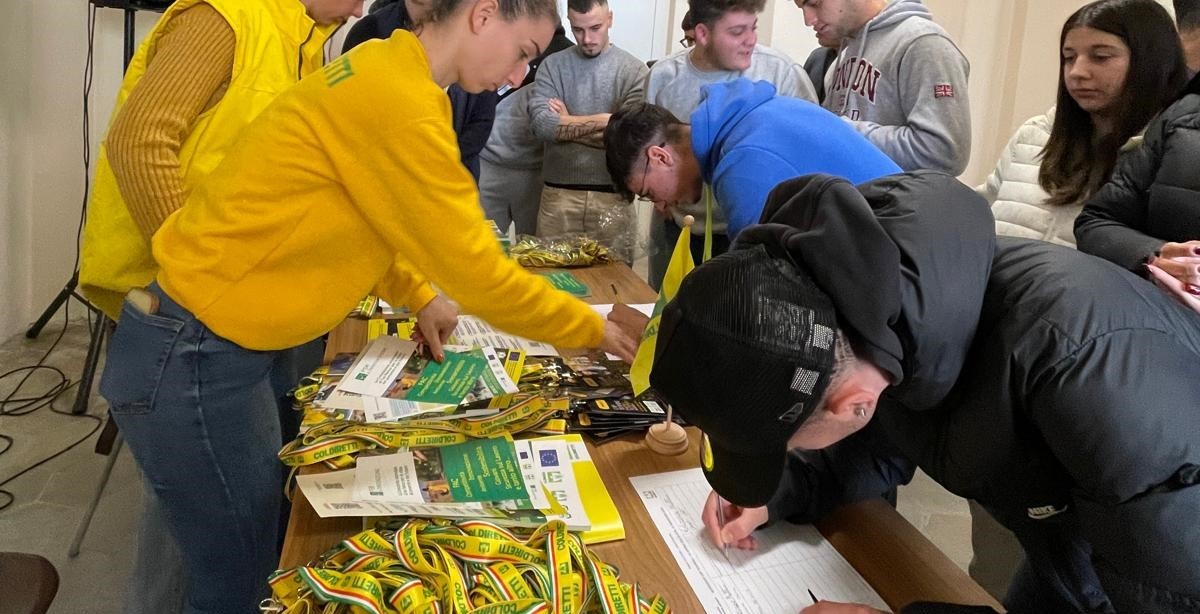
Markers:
(546, 466)
(387, 478)
(330, 495)
(475, 332)
(775, 579)
(377, 366)
(646, 308)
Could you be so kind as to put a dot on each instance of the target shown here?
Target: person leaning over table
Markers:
(742, 140)
(320, 202)
(201, 75)
(888, 325)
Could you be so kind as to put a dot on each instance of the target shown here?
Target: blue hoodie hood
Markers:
(722, 106)
(747, 140)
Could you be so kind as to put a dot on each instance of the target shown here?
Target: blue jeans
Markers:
(199, 416)
(156, 585)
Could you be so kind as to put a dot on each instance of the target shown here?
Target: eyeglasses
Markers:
(646, 171)
(687, 42)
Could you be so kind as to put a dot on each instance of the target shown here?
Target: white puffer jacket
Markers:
(1018, 202)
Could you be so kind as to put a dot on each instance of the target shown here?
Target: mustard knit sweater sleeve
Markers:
(187, 74)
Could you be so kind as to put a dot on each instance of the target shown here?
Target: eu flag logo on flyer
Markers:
(337, 71)
(548, 458)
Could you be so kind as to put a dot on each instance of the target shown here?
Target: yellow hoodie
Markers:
(350, 182)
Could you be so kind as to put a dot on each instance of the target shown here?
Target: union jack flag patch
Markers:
(943, 90)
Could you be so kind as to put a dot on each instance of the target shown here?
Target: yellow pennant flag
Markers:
(681, 264)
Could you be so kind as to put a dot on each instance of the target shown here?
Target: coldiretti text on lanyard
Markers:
(435, 567)
(336, 443)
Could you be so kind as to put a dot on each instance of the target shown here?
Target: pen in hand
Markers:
(721, 526)
(812, 596)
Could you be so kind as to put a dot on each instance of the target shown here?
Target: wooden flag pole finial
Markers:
(667, 438)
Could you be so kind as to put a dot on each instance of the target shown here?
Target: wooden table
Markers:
(893, 557)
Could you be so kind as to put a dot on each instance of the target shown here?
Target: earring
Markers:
(860, 411)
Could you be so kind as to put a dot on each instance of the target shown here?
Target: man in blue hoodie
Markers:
(743, 140)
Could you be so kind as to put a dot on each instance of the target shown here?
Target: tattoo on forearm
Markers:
(581, 133)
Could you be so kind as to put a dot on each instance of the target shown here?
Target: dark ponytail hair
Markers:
(1076, 161)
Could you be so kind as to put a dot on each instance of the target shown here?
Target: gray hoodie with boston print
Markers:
(903, 84)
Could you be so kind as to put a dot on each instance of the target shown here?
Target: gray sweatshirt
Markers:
(674, 84)
(512, 143)
(903, 84)
(603, 84)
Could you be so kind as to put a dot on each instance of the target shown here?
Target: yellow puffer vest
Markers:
(272, 53)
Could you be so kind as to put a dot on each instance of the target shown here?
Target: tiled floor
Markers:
(50, 500)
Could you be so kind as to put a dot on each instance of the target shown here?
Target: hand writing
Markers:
(740, 523)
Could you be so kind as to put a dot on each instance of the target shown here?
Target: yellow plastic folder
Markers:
(597, 503)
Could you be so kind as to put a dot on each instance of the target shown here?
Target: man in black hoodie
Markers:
(869, 329)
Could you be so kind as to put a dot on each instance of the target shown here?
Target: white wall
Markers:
(42, 52)
(639, 26)
(15, 221)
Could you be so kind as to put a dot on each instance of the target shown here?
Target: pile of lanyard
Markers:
(336, 443)
(534, 252)
(436, 567)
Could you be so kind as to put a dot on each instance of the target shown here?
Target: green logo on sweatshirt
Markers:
(337, 71)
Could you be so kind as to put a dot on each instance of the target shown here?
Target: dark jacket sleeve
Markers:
(474, 115)
(379, 23)
(363, 30)
(862, 466)
(1113, 222)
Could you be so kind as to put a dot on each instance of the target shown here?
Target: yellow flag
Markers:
(681, 264)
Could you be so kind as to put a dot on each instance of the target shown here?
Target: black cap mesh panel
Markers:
(744, 350)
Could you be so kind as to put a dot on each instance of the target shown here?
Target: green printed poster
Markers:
(483, 470)
(449, 382)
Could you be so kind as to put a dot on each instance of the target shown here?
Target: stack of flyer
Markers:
(392, 380)
(521, 483)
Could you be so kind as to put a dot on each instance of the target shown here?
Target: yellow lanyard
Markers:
(435, 567)
(337, 442)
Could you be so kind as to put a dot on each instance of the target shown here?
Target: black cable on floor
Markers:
(13, 405)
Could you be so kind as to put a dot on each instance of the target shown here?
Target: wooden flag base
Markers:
(667, 438)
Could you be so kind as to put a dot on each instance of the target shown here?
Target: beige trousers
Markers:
(604, 217)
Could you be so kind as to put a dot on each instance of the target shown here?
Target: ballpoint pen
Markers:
(812, 596)
(721, 525)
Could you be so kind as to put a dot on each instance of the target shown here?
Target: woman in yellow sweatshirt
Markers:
(323, 199)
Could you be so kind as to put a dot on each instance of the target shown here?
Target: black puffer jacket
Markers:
(1154, 194)
(1058, 390)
